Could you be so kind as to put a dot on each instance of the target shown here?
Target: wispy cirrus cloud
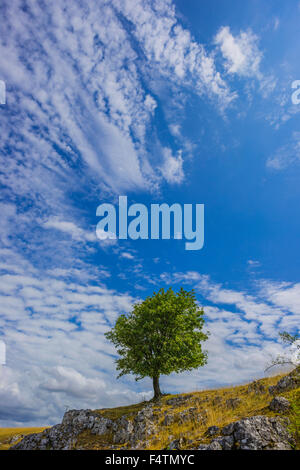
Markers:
(81, 101)
(76, 93)
(286, 155)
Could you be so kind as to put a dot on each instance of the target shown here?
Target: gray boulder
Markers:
(255, 433)
(123, 429)
(280, 405)
(143, 426)
(288, 382)
(214, 445)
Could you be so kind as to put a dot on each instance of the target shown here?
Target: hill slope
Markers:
(229, 418)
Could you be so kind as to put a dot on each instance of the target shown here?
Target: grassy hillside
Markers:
(212, 403)
(218, 407)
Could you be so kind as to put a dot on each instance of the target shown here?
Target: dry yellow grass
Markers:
(217, 414)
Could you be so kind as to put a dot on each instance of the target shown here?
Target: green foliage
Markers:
(162, 334)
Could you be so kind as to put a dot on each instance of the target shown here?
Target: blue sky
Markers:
(162, 101)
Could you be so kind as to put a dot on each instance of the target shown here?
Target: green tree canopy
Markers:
(162, 334)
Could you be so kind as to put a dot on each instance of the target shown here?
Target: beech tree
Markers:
(162, 334)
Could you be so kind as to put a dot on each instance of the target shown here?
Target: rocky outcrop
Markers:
(255, 433)
(64, 436)
(288, 382)
(179, 400)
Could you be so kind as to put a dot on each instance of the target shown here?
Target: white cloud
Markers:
(175, 129)
(69, 381)
(253, 263)
(171, 50)
(72, 229)
(188, 277)
(126, 255)
(241, 53)
(285, 295)
(172, 168)
(276, 23)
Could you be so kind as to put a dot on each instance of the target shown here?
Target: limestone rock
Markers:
(255, 433)
(214, 445)
(280, 404)
(179, 400)
(288, 382)
(64, 436)
(123, 429)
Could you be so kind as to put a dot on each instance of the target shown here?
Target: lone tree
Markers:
(162, 334)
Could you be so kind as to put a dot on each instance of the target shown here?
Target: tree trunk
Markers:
(156, 388)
